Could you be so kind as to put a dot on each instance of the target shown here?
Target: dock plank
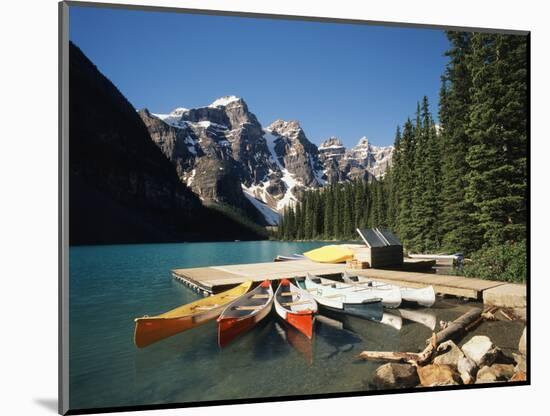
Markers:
(214, 278)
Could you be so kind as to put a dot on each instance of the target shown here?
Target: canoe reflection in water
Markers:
(424, 317)
(331, 338)
(297, 340)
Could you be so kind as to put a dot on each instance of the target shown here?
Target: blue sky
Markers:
(336, 79)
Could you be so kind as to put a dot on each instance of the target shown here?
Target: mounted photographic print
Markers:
(267, 208)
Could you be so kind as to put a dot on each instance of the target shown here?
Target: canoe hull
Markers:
(371, 311)
(303, 322)
(296, 307)
(151, 330)
(330, 254)
(231, 328)
(390, 296)
(244, 313)
(424, 296)
(345, 302)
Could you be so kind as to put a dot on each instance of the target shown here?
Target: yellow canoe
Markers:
(150, 329)
(330, 254)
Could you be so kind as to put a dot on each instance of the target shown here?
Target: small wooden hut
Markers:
(382, 248)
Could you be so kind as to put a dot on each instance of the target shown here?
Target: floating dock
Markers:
(214, 279)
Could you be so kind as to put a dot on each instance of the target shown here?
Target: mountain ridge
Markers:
(266, 166)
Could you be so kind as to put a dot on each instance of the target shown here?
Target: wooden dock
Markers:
(214, 279)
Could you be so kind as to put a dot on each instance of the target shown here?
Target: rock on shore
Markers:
(481, 350)
(438, 375)
(478, 361)
(392, 375)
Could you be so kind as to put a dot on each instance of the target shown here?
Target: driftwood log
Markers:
(454, 329)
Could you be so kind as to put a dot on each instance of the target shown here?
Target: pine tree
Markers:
(419, 211)
(336, 224)
(299, 218)
(346, 213)
(383, 204)
(497, 158)
(406, 183)
(308, 217)
(358, 204)
(392, 176)
(367, 197)
(458, 227)
(282, 225)
(291, 225)
(328, 217)
(427, 182)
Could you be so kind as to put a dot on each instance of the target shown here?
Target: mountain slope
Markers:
(214, 149)
(122, 189)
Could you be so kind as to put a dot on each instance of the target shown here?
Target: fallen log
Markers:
(455, 328)
(507, 316)
(460, 325)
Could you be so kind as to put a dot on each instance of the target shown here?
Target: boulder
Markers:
(481, 350)
(438, 375)
(392, 375)
(503, 371)
(522, 347)
(494, 373)
(520, 376)
(467, 369)
(448, 354)
(521, 365)
(521, 313)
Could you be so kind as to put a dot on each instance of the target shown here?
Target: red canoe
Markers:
(295, 306)
(244, 313)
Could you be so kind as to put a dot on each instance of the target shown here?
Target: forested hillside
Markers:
(459, 185)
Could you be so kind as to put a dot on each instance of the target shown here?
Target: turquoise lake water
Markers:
(111, 285)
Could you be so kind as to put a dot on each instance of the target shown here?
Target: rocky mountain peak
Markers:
(332, 142)
(296, 153)
(285, 128)
(363, 142)
(227, 100)
(178, 111)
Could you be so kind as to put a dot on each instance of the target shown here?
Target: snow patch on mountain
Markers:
(223, 101)
(318, 173)
(271, 216)
(288, 179)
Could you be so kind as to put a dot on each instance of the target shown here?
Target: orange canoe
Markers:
(150, 329)
(295, 306)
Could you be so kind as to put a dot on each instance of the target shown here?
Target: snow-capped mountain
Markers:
(225, 156)
(363, 161)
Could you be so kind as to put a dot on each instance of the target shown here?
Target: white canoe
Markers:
(363, 304)
(424, 296)
(292, 257)
(390, 295)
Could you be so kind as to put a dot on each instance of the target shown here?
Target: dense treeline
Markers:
(457, 186)
(335, 211)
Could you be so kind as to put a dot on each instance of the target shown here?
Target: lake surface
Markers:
(111, 285)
